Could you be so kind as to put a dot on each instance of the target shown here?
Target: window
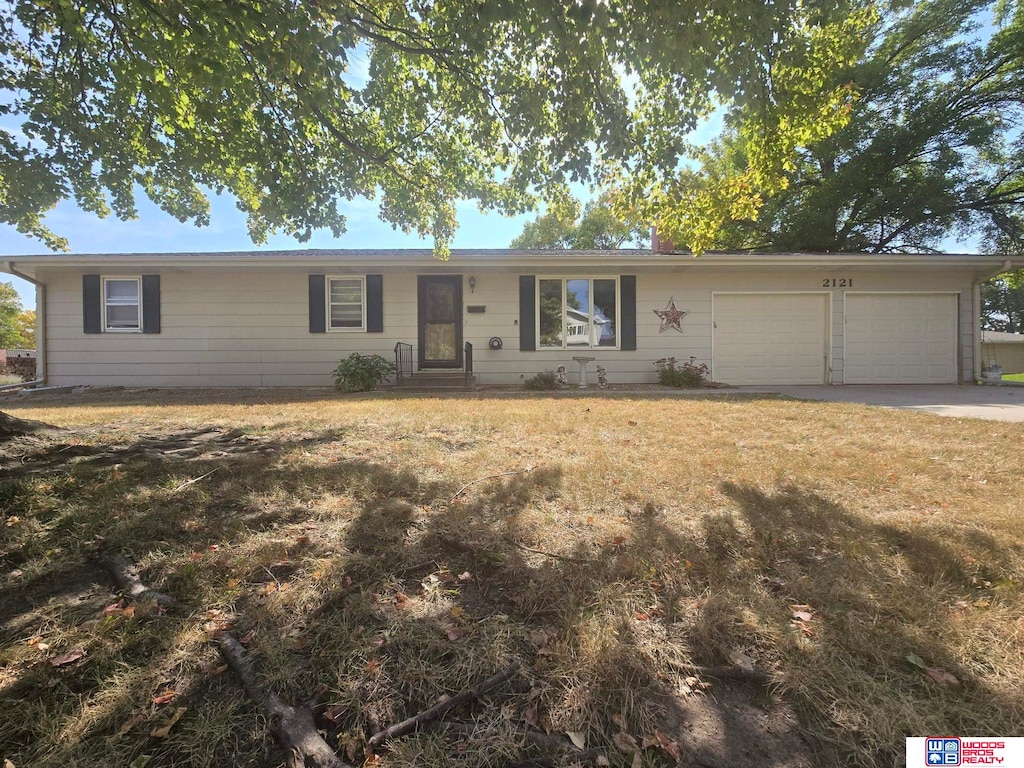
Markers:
(577, 312)
(122, 304)
(346, 304)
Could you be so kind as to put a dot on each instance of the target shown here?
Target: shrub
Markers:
(544, 380)
(672, 374)
(362, 373)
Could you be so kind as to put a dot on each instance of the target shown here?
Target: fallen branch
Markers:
(293, 727)
(126, 574)
(567, 558)
(194, 480)
(440, 709)
(489, 477)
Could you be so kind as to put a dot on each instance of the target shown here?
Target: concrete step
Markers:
(436, 380)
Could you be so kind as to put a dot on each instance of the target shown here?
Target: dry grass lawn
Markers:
(869, 561)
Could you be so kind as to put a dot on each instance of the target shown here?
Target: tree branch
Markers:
(439, 710)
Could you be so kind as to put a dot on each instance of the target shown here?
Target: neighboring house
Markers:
(1003, 349)
(284, 318)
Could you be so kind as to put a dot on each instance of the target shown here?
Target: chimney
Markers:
(658, 245)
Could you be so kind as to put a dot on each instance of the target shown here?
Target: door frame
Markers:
(421, 282)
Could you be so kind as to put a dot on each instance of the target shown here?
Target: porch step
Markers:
(425, 381)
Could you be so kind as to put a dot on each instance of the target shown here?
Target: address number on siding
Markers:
(837, 282)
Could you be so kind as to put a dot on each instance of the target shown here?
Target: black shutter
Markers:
(627, 312)
(375, 303)
(527, 313)
(317, 304)
(92, 314)
(151, 303)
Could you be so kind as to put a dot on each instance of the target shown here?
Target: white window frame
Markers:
(565, 281)
(327, 303)
(137, 279)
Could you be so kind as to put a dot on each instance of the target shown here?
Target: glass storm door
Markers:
(440, 321)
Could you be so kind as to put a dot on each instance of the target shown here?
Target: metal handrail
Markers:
(403, 360)
(467, 360)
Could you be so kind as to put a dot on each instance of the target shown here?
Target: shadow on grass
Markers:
(372, 580)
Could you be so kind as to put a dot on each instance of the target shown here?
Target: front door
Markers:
(440, 321)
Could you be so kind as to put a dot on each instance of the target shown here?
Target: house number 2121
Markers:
(837, 282)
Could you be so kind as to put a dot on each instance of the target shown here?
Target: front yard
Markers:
(713, 581)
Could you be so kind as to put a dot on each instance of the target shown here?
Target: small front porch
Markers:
(418, 379)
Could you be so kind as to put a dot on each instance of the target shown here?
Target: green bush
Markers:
(362, 373)
(688, 375)
(545, 380)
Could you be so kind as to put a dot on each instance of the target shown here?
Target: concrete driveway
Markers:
(1005, 403)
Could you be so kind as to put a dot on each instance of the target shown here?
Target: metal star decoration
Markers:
(671, 316)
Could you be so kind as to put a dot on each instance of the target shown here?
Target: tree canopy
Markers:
(933, 147)
(590, 227)
(292, 106)
(10, 318)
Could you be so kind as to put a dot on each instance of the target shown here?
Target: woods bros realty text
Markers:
(957, 750)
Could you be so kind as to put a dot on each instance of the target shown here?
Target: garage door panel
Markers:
(770, 338)
(900, 338)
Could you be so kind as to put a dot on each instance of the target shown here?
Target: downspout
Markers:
(40, 327)
(976, 298)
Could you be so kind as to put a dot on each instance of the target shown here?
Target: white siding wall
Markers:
(250, 328)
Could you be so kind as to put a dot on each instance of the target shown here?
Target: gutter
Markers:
(976, 298)
(40, 327)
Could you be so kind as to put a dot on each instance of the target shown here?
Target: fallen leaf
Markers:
(941, 676)
(802, 612)
(141, 761)
(8, 763)
(530, 716)
(456, 612)
(453, 633)
(618, 541)
(916, 660)
(465, 576)
(248, 637)
(401, 599)
(126, 726)
(638, 761)
(113, 608)
(539, 637)
(669, 746)
(165, 730)
(16, 573)
(624, 742)
(164, 698)
(632, 423)
(619, 720)
(577, 738)
(68, 658)
(742, 660)
(602, 761)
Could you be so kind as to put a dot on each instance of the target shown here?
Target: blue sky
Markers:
(155, 231)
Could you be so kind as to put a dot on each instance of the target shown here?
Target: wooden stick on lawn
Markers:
(293, 727)
(440, 709)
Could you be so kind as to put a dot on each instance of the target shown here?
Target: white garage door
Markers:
(770, 338)
(900, 338)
